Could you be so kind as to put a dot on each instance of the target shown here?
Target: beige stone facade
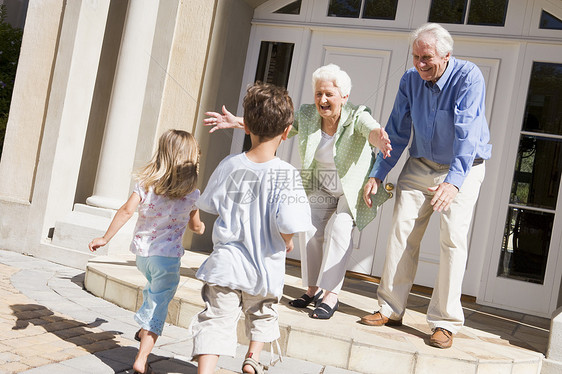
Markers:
(98, 81)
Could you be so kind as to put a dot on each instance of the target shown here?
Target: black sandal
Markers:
(305, 300)
(323, 311)
(147, 370)
(137, 335)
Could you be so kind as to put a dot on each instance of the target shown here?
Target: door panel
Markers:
(375, 64)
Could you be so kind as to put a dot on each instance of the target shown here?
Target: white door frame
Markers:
(502, 60)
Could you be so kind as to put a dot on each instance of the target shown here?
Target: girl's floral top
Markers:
(161, 223)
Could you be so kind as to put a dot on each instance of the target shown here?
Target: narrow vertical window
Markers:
(536, 180)
(274, 63)
(274, 66)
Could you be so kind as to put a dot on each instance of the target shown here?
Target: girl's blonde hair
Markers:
(174, 167)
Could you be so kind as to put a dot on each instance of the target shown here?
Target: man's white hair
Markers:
(443, 40)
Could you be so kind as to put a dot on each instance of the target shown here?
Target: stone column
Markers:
(186, 71)
(117, 156)
(30, 99)
(70, 98)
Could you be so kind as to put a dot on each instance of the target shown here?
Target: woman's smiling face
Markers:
(328, 99)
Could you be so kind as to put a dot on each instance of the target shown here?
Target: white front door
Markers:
(375, 62)
(525, 265)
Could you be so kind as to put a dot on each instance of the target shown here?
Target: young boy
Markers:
(260, 204)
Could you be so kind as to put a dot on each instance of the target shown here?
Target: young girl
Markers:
(165, 194)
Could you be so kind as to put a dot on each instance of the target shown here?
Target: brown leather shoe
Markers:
(441, 338)
(377, 319)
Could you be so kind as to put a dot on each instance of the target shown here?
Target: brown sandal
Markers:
(258, 368)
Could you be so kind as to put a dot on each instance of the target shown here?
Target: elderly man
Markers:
(440, 103)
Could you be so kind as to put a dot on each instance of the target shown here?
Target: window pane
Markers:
(537, 172)
(274, 63)
(525, 245)
(548, 21)
(544, 100)
(380, 9)
(447, 11)
(487, 12)
(344, 8)
(292, 8)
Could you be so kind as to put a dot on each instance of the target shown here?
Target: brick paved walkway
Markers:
(50, 324)
(34, 336)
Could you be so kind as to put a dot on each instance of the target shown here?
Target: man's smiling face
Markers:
(427, 62)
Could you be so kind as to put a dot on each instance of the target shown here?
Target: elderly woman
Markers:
(335, 139)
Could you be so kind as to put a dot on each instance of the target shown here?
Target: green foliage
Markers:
(10, 43)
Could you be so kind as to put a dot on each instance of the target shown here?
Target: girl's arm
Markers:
(226, 120)
(121, 217)
(195, 224)
(288, 238)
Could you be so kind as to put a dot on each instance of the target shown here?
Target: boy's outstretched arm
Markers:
(288, 238)
(195, 224)
(121, 217)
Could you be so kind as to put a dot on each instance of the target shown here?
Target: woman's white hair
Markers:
(332, 73)
(443, 40)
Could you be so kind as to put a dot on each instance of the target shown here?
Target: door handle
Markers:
(389, 187)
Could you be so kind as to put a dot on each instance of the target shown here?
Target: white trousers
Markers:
(412, 211)
(327, 253)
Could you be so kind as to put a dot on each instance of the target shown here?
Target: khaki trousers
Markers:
(412, 212)
(214, 329)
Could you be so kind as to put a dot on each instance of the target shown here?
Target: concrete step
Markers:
(492, 341)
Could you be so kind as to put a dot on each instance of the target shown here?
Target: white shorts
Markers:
(214, 329)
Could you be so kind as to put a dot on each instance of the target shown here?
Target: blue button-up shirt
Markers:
(448, 119)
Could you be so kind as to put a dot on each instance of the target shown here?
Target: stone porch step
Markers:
(492, 341)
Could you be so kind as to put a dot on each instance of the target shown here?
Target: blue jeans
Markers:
(163, 275)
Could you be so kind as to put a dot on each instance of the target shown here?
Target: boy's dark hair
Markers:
(268, 110)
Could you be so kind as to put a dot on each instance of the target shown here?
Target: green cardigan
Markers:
(352, 153)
